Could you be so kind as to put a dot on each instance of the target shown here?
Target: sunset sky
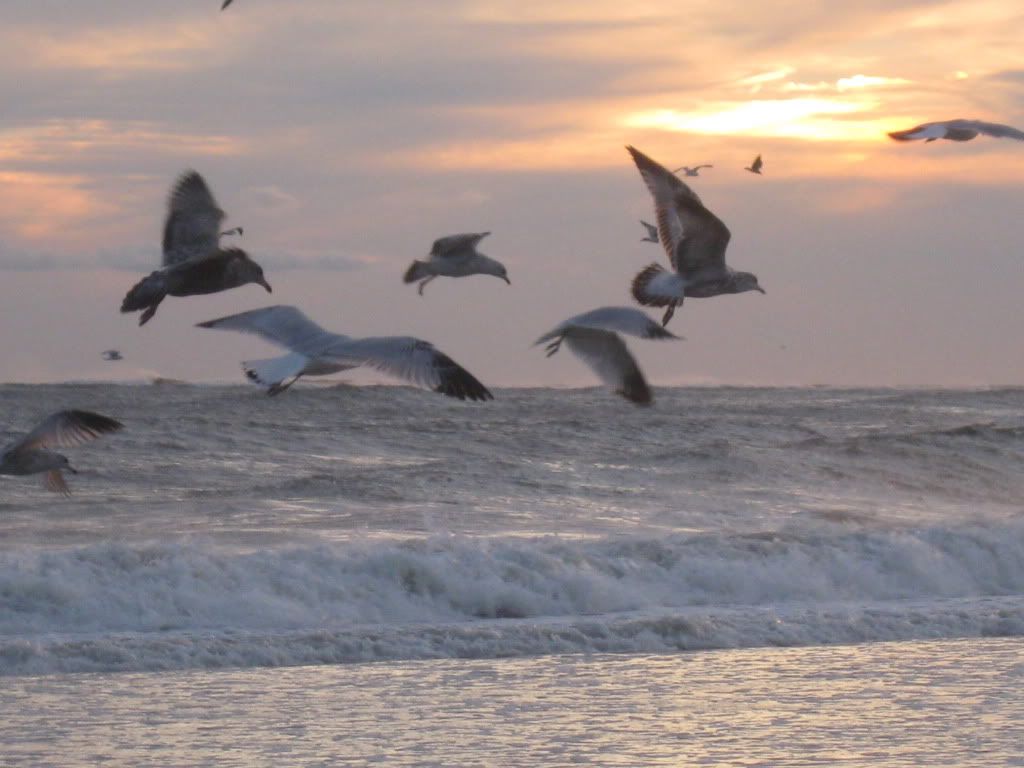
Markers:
(346, 135)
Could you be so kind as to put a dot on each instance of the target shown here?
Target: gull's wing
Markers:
(418, 362)
(282, 325)
(457, 246)
(53, 481)
(192, 227)
(615, 319)
(607, 356)
(928, 131)
(66, 429)
(996, 129)
(694, 238)
(957, 130)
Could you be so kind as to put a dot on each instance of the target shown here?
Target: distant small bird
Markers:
(755, 167)
(454, 256)
(957, 130)
(695, 171)
(652, 233)
(695, 241)
(193, 261)
(226, 4)
(316, 352)
(593, 337)
(64, 429)
(112, 354)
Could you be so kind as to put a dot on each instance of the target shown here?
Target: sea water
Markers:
(552, 552)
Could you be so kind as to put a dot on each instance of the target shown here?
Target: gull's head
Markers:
(745, 281)
(496, 268)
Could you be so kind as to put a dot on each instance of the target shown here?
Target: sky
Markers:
(346, 135)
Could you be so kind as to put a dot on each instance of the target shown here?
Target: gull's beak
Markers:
(71, 469)
(505, 278)
(760, 289)
(265, 284)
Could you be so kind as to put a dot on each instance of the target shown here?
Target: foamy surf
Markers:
(117, 607)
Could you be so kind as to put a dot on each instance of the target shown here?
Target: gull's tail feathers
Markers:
(271, 373)
(145, 294)
(654, 286)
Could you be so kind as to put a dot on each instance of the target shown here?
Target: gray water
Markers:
(223, 528)
(530, 578)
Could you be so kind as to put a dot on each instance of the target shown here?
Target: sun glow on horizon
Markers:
(800, 118)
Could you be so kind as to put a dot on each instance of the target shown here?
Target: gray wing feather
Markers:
(694, 238)
(66, 429)
(998, 130)
(192, 227)
(607, 356)
(457, 246)
(285, 326)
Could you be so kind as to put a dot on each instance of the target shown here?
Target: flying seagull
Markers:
(112, 354)
(695, 241)
(193, 261)
(316, 352)
(594, 338)
(652, 233)
(454, 256)
(957, 130)
(695, 171)
(64, 429)
(755, 167)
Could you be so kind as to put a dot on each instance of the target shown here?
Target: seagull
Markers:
(193, 261)
(64, 429)
(652, 233)
(695, 240)
(755, 167)
(594, 338)
(454, 256)
(695, 171)
(316, 352)
(112, 354)
(957, 130)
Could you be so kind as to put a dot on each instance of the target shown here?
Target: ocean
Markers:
(374, 575)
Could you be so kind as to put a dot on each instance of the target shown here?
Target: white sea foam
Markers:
(167, 606)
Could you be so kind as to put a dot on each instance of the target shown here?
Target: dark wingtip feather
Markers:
(95, 422)
(635, 388)
(456, 381)
(900, 135)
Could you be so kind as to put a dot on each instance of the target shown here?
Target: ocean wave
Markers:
(82, 598)
(651, 632)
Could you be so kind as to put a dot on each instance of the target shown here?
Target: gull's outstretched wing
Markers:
(694, 238)
(282, 325)
(606, 354)
(66, 429)
(418, 362)
(457, 246)
(957, 130)
(192, 227)
(615, 319)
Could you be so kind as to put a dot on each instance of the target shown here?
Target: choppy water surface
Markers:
(223, 528)
(937, 703)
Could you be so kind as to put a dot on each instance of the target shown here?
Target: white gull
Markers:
(317, 352)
